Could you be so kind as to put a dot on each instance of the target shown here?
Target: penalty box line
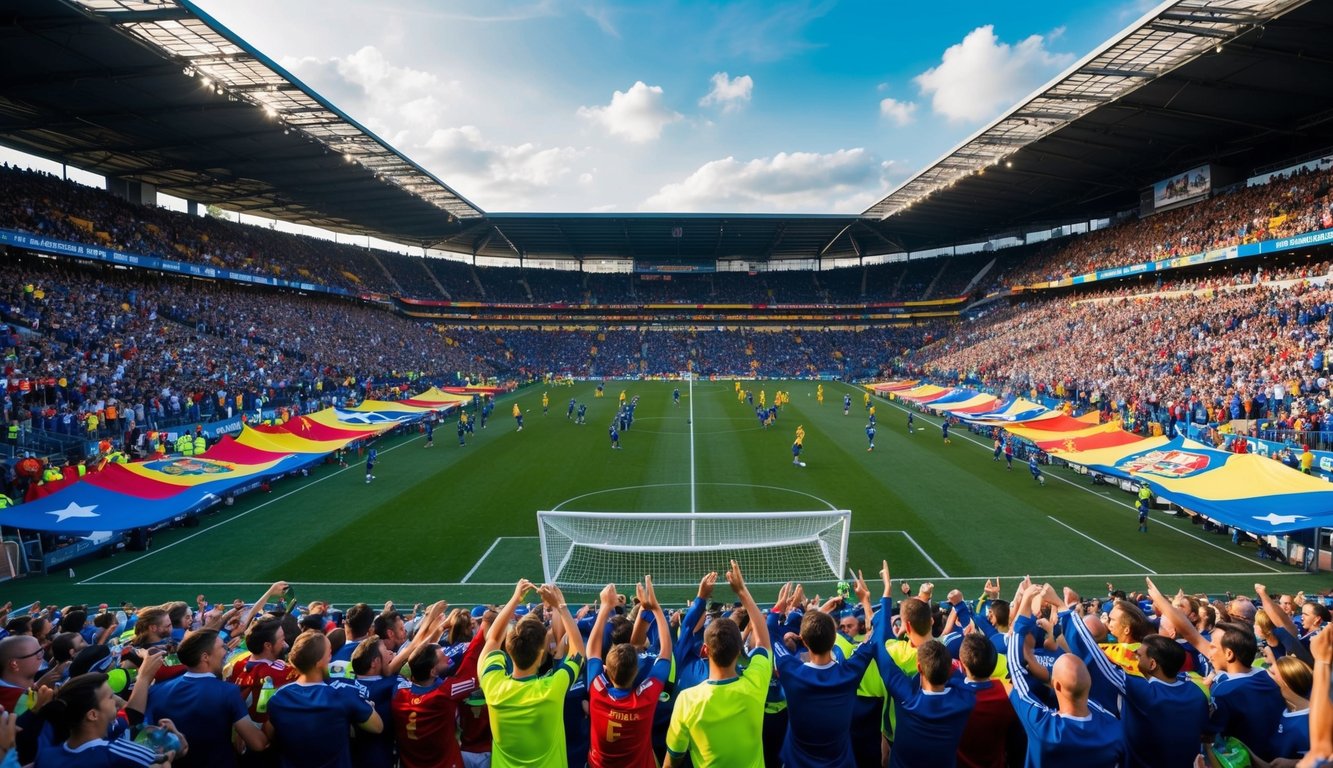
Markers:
(487, 554)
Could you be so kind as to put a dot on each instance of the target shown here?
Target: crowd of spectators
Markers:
(920, 677)
(89, 350)
(1247, 344)
(1283, 207)
(44, 205)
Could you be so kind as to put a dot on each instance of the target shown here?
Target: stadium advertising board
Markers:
(1248, 250)
(111, 256)
(1183, 187)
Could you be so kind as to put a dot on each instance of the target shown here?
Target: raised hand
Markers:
(860, 588)
(885, 577)
(1071, 598)
(609, 596)
(522, 588)
(706, 585)
(650, 595)
(784, 594)
(735, 579)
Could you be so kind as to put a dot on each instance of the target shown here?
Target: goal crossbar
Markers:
(584, 549)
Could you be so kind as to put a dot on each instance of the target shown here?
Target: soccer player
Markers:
(203, 706)
(819, 394)
(821, 692)
(1035, 469)
(371, 456)
(1245, 703)
(615, 436)
(620, 712)
(944, 430)
(1078, 732)
(518, 417)
(675, 396)
(546, 404)
(462, 431)
(800, 433)
(430, 432)
(601, 389)
(865, 397)
(870, 435)
(1142, 503)
(721, 723)
(999, 447)
(309, 720)
(526, 710)
(1009, 453)
(583, 411)
(569, 412)
(911, 422)
(796, 449)
(846, 404)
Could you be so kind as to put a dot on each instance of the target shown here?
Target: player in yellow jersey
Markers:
(763, 399)
(518, 417)
(819, 394)
(546, 404)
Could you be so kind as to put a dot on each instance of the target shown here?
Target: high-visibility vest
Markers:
(13, 432)
(184, 445)
(200, 444)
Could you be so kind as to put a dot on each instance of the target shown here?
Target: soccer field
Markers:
(460, 522)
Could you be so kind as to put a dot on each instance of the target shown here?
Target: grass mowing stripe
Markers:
(1103, 546)
(1115, 501)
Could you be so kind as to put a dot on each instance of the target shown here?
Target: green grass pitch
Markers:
(460, 522)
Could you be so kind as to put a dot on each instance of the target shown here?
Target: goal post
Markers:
(587, 550)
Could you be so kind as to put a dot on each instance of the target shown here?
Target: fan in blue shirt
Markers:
(203, 706)
(1246, 702)
(820, 693)
(308, 719)
(1163, 712)
(1078, 733)
(931, 709)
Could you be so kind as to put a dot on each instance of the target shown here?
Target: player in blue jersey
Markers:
(1077, 733)
(796, 449)
(1035, 469)
(371, 455)
(615, 436)
(870, 435)
(462, 432)
(675, 396)
(430, 432)
(569, 413)
(846, 404)
(583, 412)
(944, 430)
(911, 422)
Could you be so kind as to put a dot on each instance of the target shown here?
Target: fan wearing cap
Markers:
(204, 707)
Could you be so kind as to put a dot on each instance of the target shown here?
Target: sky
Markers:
(781, 106)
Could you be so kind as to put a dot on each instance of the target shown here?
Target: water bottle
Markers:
(265, 693)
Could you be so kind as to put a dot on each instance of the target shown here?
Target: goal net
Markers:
(587, 550)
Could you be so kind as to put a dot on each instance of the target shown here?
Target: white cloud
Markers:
(982, 75)
(637, 115)
(808, 182)
(508, 176)
(730, 94)
(900, 112)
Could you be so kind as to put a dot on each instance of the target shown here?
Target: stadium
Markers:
(250, 341)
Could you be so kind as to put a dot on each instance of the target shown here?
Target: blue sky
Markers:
(806, 106)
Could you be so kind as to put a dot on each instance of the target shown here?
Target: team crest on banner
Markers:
(188, 466)
(1170, 464)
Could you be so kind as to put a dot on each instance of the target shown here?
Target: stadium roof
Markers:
(1241, 83)
(158, 92)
